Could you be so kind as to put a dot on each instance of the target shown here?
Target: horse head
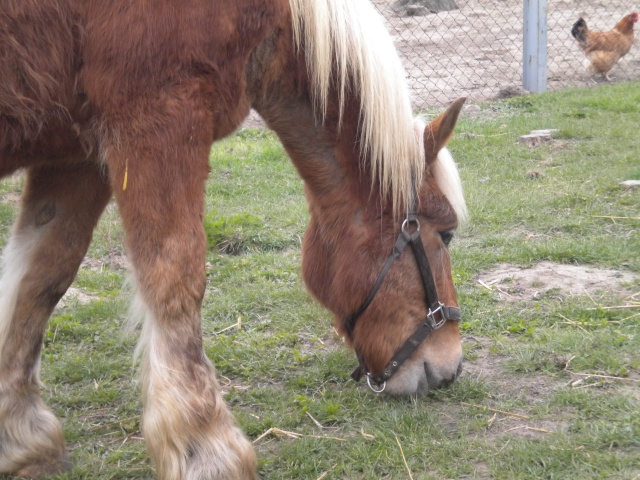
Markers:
(391, 317)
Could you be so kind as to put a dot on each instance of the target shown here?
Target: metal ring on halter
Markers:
(407, 222)
(384, 384)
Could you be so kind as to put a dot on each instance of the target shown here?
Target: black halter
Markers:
(436, 317)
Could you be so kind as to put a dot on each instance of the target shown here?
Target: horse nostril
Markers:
(438, 382)
(447, 381)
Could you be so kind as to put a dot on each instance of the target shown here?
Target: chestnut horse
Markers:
(119, 98)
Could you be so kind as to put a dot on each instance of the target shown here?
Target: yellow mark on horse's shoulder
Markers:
(126, 174)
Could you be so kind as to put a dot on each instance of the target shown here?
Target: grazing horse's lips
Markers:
(423, 386)
(432, 380)
(439, 382)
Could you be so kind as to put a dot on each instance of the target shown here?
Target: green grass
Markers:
(282, 367)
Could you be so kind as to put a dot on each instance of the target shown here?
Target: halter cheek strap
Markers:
(437, 316)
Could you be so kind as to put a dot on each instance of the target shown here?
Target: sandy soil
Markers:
(526, 285)
(519, 284)
(476, 51)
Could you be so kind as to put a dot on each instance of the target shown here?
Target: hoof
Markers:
(45, 468)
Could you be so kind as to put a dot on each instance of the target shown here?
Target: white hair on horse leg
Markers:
(445, 172)
(189, 430)
(16, 259)
(28, 429)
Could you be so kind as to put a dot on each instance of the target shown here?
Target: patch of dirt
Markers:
(327, 343)
(76, 295)
(514, 283)
(488, 367)
(630, 387)
(523, 284)
(115, 260)
(10, 198)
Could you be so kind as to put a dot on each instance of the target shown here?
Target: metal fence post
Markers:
(534, 72)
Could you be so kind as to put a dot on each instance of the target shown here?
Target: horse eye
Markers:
(446, 236)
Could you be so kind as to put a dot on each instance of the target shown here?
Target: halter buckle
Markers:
(384, 384)
(435, 325)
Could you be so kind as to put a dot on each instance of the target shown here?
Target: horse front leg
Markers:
(60, 208)
(159, 184)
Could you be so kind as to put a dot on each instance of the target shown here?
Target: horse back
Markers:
(67, 66)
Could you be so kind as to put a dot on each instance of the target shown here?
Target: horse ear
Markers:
(438, 133)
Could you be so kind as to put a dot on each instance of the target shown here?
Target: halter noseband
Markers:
(436, 317)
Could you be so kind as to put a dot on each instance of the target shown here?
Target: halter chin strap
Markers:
(436, 317)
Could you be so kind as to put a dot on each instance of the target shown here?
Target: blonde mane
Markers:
(445, 172)
(347, 40)
(448, 179)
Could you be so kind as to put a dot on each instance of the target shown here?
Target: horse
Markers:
(103, 99)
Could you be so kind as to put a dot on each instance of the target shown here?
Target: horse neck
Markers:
(327, 157)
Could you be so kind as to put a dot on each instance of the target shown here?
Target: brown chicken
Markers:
(604, 49)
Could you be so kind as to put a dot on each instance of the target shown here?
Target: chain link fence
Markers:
(475, 50)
